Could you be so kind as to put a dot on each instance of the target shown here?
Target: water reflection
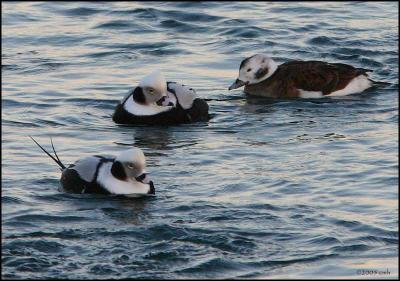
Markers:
(154, 139)
(157, 140)
(129, 210)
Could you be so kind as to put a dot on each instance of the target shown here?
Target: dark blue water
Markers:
(295, 188)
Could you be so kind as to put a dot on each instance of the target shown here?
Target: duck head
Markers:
(130, 166)
(151, 89)
(253, 70)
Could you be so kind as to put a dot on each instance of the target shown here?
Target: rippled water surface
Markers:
(265, 189)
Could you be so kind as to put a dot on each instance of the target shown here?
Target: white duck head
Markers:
(152, 88)
(130, 167)
(253, 70)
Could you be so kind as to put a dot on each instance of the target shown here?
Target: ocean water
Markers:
(265, 189)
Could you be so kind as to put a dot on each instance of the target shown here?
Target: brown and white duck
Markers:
(262, 76)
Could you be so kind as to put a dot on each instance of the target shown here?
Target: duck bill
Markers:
(237, 84)
(145, 179)
(161, 101)
(165, 101)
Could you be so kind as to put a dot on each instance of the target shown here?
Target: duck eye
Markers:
(130, 166)
(248, 70)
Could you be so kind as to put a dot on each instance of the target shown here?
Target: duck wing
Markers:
(184, 94)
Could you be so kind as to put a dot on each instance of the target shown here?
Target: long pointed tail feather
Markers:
(365, 69)
(381, 83)
(55, 153)
(57, 160)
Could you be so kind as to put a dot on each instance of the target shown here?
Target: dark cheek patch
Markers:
(261, 72)
(138, 95)
(117, 170)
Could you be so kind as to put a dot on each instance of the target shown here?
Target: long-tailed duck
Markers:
(155, 101)
(261, 76)
(121, 175)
